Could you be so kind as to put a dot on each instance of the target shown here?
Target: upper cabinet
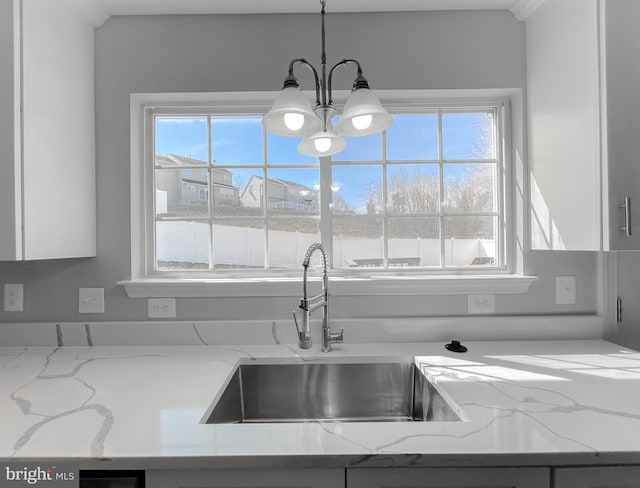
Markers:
(584, 124)
(620, 45)
(47, 148)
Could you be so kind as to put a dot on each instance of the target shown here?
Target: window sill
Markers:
(339, 286)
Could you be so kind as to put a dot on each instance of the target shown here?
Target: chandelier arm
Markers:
(326, 141)
(344, 62)
(306, 63)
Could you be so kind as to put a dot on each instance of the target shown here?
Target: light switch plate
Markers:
(565, 290)
(91, 300)
(481, 303)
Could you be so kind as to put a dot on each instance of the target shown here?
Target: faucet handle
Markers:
(337, 337)
(331, 338)
(295, 321)
(304, 340)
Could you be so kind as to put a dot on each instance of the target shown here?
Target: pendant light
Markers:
(291, 114)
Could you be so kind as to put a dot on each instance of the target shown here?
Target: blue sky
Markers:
(237, 140)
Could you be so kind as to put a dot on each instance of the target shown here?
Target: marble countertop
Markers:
(522, 403)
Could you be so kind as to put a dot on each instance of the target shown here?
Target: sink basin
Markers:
(317, 392)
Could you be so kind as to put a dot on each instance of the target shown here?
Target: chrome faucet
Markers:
(308, 305)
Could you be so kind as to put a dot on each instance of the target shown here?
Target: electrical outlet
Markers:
(481, 303)
(13, 297)
(161, 308)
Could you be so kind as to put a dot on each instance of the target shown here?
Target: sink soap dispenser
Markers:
(455, 346)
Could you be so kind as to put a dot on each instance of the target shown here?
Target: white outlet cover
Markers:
(13, 297)
(91, 300)
(161, 308)
(481, 303)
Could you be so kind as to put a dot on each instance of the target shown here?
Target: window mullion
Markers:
(502, 189)
(385, 204)
(264, 199)
(441, 191)
(326, 197)
(211, 195)
(149, 187)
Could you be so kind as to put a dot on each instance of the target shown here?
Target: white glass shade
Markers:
(355, 121)
(322, 143)
(291, 115)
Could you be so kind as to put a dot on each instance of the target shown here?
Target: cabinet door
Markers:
(563, 125)
(47, 153)
(10, 174)
(622, 124)
(58, 150)
(245, 478)
(605, 477)
(449, 477)
(626, 332)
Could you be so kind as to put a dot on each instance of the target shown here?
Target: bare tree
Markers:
(407, 193)
(341, 205)
(468, 190)
(415, 192)
(374, 197)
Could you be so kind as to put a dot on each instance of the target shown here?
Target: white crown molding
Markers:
(524, 8)
(90, 10)
(96, 13)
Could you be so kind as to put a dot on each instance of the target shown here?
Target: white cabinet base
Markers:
(604, 477)
(245, 478)
(448, 477)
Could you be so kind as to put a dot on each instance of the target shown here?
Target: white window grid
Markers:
(504, 231)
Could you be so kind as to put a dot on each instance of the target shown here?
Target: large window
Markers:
(428, 195)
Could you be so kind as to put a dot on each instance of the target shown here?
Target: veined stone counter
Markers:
(523, 403)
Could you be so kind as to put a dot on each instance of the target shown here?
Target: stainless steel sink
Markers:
(316, 392)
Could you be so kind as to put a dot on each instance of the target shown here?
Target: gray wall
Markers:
(236, 53)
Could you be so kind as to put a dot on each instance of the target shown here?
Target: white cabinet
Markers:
(583, 122)
(620, 44)
(605, 477)
(355, 478)
(245, 478)
(448, 477)
(47, 153)
(563, 125)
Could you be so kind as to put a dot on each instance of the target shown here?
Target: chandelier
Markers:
(291, 114)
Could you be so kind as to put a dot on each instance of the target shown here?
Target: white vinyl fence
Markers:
(188, 242)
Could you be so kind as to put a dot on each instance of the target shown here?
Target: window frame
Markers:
(440, 108)
(420, 280)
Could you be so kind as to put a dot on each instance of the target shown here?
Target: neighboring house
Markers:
(280, 194)
(190, 186)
